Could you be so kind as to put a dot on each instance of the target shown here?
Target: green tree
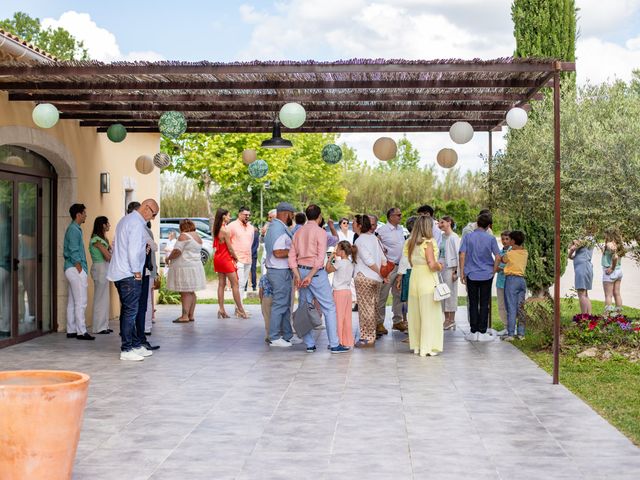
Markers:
(297, 175)
(58, 42)
(407, 158)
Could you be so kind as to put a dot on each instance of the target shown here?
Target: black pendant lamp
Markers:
(276, 140)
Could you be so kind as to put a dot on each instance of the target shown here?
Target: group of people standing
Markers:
(128, 262)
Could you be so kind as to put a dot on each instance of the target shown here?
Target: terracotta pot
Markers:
(40, 418)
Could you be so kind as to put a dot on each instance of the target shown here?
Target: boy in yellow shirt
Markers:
(515, 287)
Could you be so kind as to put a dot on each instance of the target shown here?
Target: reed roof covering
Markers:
(342, 96)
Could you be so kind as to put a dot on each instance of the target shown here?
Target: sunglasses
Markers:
(152, 212)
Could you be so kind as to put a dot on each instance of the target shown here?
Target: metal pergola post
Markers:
(556, 241)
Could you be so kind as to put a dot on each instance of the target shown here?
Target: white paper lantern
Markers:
(385, 149)
(45, 115)
(144, 164)
(292, 115)
(447, 158)
(249, 156)
(517, 118)
(461, 132)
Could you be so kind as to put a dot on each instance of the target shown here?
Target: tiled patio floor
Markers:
(215, 403)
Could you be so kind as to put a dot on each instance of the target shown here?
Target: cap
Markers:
(285, 207)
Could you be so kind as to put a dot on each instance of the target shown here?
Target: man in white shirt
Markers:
(126, 270)
(391, 236)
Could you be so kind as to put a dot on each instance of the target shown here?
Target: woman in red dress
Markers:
(224, 264)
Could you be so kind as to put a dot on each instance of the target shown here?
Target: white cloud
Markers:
(601, 17)
(599, 60)
(100, 42)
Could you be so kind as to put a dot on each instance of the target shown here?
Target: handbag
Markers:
(306, 318)
(441, 290)
(157, 283)
(404, 289)
(386, 269)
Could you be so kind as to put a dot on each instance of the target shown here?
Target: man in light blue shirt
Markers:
(126, 270)
(479, 259)
(75, 271)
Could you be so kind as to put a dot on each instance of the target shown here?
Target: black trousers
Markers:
(254, 273)
(479, 296)
(142, 310)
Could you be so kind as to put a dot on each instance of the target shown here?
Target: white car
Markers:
(207, 242)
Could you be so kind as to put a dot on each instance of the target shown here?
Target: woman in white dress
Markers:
(343, 232)
(186, 274)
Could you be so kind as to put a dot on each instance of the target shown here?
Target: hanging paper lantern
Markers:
(116, 132)
(461, 132)
(161, 160)
(517, 118)
(447, 157)
(249, 156)
(45, 115)
(331, 153)
(172, 124)
(385, 148)
(144, 164)
(292, 115)
(258, 169)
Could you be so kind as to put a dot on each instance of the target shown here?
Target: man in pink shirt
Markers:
(306, 260)
(241, 236)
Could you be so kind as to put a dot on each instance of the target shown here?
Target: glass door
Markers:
(6, 259)
(20, 254)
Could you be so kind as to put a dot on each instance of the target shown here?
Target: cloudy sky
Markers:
(225, 30)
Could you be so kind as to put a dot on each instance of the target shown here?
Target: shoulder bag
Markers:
(306, 318)
(386, 269)
(441, 290)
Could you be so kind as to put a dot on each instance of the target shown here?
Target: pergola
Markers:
(364, 96)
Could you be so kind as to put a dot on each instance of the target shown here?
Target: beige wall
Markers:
(79, 155)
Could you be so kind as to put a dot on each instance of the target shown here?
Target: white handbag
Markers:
(442, 290)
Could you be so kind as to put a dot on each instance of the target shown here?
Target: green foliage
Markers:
(165, 296)
(58, 42)
(297, 175)
(181, 197)
(545, 29)
(407, 158)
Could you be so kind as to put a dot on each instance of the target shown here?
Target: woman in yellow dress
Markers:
(424, 314)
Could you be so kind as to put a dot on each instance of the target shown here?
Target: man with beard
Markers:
(277, 243)
(241, 236)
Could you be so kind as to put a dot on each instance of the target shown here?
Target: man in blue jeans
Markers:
(277, 242)
(306, 260)
(479, 259)
(126, 270)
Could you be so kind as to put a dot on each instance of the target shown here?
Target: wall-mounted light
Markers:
(105, 182)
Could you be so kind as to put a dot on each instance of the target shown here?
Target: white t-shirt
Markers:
(369, 253)
(343, 274)
(283, 242)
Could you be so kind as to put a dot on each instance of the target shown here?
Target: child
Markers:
(500, 279)
(342, 267)
(265, 292)
(515, 287)
(612, 269)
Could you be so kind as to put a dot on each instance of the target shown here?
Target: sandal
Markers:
(365, 344)
(177, 320)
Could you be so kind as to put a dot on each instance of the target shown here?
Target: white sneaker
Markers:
(131, 356)
(471, 337)
(485, 337)
(295, 340)
(143, 352)
(281, 342)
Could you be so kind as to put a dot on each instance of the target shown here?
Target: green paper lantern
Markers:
(292, 115)
(116, 132)
(172, 124)
(331, 153)
(45, 115)
(258, 169)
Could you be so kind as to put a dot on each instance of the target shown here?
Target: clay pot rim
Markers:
(80, 379)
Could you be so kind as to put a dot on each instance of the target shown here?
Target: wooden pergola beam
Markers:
(240, 107)
(278, 97)
(181, 68)
(357, 129)
(266, 126)
(268, 84)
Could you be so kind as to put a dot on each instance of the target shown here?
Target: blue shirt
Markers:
(500, 278)
(73, 250)
(129, 247)
(480, 248)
